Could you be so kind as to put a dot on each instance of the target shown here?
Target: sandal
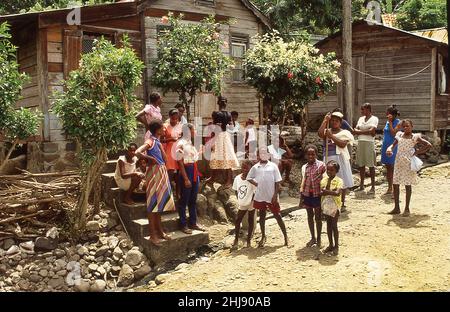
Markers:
(186, 230)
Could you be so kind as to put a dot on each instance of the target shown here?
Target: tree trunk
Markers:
(2, 166)
(97, 194)
(90, 177)
(347, 59)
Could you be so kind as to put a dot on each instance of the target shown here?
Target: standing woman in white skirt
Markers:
(337, 140)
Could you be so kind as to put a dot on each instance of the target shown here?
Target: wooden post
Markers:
(347, 59)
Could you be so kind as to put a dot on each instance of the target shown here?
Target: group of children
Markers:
(257, 187)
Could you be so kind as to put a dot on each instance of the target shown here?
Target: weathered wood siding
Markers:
(241, 97)
(442, 112)
(64, 46)
(387, 53)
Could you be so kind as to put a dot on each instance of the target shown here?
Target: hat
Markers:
(337, 114)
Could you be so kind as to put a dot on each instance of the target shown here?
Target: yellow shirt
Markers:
(335, 184)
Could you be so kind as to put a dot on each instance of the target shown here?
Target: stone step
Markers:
(170, 223)
(180, 246)
(110, 166)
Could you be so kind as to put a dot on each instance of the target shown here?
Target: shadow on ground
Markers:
(409, 222)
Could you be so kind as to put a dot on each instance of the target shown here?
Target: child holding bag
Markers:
(331, 188)
(403, 173)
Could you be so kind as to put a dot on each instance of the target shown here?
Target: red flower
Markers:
(318, 80)
(290, 75)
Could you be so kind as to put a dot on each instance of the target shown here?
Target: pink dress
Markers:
(151, 112)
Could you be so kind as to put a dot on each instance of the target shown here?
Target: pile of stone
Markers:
(106, 261)
(218, 203)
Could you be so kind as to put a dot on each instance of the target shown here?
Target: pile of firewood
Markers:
(30, 203)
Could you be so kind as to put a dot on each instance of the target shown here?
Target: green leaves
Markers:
(289, 74)
(190, 58)
(97, 107)
(14, 124)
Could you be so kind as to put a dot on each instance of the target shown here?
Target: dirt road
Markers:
(378, 252)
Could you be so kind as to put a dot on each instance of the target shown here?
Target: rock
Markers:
(151, 284)
(228, 242)
(56, 282)
(202, 205)
(98, 286)
(34, 278)
(43, 273)
(93, 267)
(133, 257)
(24, 285)
(117, 253)
(232, 208)
(27, 247)
(93, 226)
(82, 251)
(111, 223)
(101, 251)
(82, 286)
(126, 276)
(142, 272)
(7, 243)
(44, 244)
(101, 270)
(2, 253)
(113, 241)
(181, 266)
(219, 213)
(161, 278)
(14, 249)
(59, 253)
(61, 264)
(52, 233)
(62, 272)
(126, 244)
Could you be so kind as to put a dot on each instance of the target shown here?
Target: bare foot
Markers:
(394, 211)
(361, 188)
(249, 244)
(328, 249)
(311, 242)
(166, 236)
(262, 242)
(372, 191)
(406, 213)
(155, 241)
(336, 251)
(235, 244)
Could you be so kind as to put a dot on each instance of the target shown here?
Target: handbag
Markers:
(329, 206)
(416, 163)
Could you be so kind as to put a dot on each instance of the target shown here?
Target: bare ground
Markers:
(378, 252)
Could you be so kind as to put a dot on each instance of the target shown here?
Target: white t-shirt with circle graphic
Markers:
(245, 191)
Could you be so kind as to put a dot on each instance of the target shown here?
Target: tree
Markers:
(289, 74)
(22, 6)
(15, 125)
(190, 59)
(96, 109)
(422, 14)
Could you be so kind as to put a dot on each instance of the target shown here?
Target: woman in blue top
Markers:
(393, 125)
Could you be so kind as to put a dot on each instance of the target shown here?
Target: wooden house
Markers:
(391, 66)
(50, 45)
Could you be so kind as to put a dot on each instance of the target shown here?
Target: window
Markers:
(89, 39)
(210, 3)
(238, 49)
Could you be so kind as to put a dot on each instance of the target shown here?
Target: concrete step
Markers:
(169, 221)
(177, 248)
(108, 183)
(110, 166)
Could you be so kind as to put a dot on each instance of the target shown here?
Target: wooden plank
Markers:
(55, 67)
(55, 79)
(191, 16)
(55, 57)
(55, 36)
(42, 68)
(126, 23)
(433, 88)
(55, 47)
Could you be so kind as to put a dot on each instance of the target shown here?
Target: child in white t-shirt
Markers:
(244, 193)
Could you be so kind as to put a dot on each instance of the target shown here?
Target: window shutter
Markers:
(72, 50)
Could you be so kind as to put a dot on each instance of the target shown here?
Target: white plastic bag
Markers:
(416, 163)
(329, 206)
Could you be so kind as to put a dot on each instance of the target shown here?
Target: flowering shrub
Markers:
(190, 59)
(289, 74)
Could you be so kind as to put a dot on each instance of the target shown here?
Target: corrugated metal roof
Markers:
(438, 34)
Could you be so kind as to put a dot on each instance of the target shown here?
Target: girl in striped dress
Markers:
(158, 191)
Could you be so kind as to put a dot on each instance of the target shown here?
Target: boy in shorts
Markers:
(244, 193)
(266, 176)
